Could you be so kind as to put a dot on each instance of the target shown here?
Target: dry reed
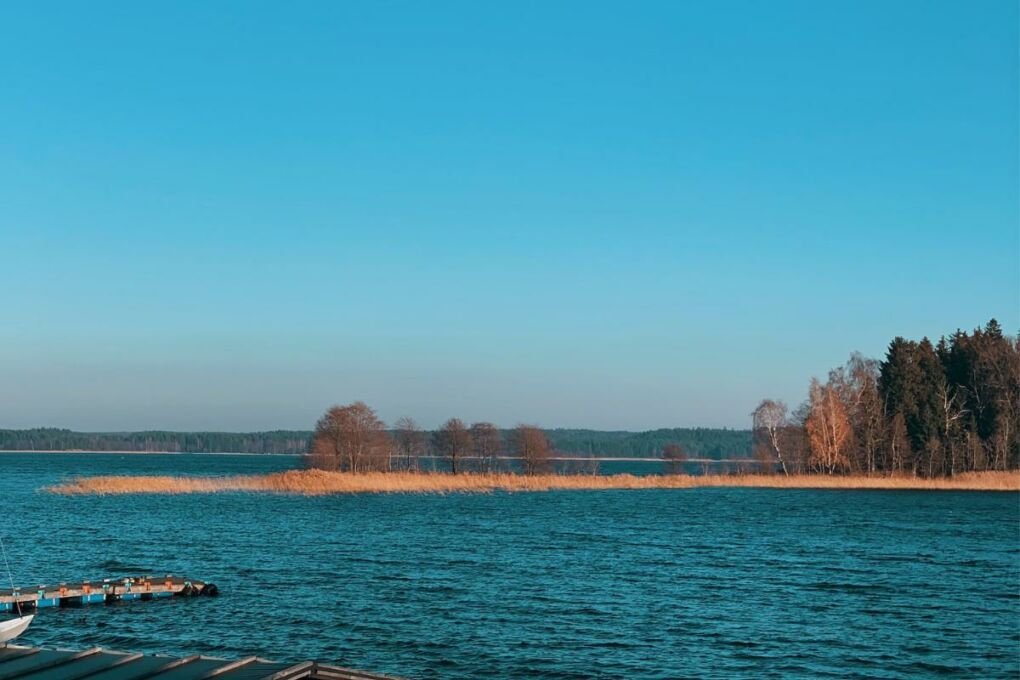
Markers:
(320, 483)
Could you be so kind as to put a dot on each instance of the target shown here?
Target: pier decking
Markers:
(30, 663)
(105, 590)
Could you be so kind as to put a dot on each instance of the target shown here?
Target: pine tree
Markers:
(899, 377)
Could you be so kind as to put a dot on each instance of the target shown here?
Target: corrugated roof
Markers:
(30, 663)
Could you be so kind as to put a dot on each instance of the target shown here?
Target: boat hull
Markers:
(14, 627)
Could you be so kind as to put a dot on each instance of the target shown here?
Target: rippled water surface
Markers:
(644, 584)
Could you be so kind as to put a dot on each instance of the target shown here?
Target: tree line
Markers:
(714, 443)
(352, 438)
(56, 439)
(699, 442)
(926, 409)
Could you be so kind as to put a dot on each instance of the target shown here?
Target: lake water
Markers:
(643, 584)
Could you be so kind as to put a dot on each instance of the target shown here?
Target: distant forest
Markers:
(698, 442)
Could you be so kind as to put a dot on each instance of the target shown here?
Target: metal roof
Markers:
(32, 663)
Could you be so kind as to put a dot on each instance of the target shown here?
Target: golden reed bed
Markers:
(320, 483)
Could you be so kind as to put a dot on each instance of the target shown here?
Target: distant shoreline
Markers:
(322, 483)
(698, 442)
(579, 459)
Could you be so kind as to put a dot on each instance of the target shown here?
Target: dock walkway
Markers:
(105, 590)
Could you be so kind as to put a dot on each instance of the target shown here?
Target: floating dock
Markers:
(31, 663)
(103, 591)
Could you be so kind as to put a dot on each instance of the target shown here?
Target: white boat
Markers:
(14, 627)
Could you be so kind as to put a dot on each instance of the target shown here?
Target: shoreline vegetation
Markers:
(927, 410)
(325, 483)
(942, 415)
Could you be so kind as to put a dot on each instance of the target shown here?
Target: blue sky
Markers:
(613, 215)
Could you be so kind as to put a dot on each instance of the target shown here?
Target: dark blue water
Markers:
(644, 584)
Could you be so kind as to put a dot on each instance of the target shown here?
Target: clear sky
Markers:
(229, 215)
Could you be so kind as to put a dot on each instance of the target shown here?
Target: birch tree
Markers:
(768, 421)
(828, 429)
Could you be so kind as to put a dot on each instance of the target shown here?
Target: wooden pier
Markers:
(31, 663)
(103, 591)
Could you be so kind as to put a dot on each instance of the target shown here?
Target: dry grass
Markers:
(320, 483)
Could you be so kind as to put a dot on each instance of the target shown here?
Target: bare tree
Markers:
(952, 411)
(1002, 436)
(583, 464)
(674, 456)
(532, 446)
(828, 428)
(453, 442)
(486, 444)
(410, 442)
(974, 450)
(768, 422)
(899, 443)
(867, 415)
(350, 438)
(794, 440)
